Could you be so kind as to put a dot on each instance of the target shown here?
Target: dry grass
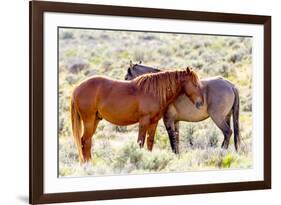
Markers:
(83, 53)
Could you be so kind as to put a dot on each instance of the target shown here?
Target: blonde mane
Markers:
(165, 84)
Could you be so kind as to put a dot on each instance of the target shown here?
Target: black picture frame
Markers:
(37, 9)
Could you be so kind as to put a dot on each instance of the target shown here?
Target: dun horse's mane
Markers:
(165, 83)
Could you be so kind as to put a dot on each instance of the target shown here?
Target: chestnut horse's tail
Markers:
(76, 128)
(235, 112)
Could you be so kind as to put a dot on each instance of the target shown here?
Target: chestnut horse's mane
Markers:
(165, 83)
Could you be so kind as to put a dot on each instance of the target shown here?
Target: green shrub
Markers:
(227, 160)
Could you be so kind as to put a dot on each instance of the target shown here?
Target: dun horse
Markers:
(142, 100)
(221, 101)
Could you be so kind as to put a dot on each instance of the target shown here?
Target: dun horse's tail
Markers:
(76, 128)
(235, 113)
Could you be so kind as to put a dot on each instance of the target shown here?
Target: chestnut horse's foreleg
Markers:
(90, 126)
(143, 126)
(151, 134)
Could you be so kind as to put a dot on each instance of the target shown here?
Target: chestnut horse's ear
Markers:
(188, 69)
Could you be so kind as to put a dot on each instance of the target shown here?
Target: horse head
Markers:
(193, 88)
(135, 70)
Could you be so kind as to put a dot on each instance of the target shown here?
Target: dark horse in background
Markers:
(142, 100)
(221, 99)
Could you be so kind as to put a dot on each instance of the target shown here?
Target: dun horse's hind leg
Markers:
(224, 124)
(225, 142)
(151, 133)
(143, 126)
(90, 126)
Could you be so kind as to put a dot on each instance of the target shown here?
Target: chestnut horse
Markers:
(142, 100)
(221, 101)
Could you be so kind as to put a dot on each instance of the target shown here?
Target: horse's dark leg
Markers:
(226, 130)
(170, 127)
(224, 124)
(90, 126)
(143, 126)
(225, 140)
(227, 120)
(177, 133)
(227, 134)
(151, 133)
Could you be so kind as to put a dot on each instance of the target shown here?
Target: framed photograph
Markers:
(139, 102)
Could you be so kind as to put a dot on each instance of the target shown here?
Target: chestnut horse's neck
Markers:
(165, 86)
